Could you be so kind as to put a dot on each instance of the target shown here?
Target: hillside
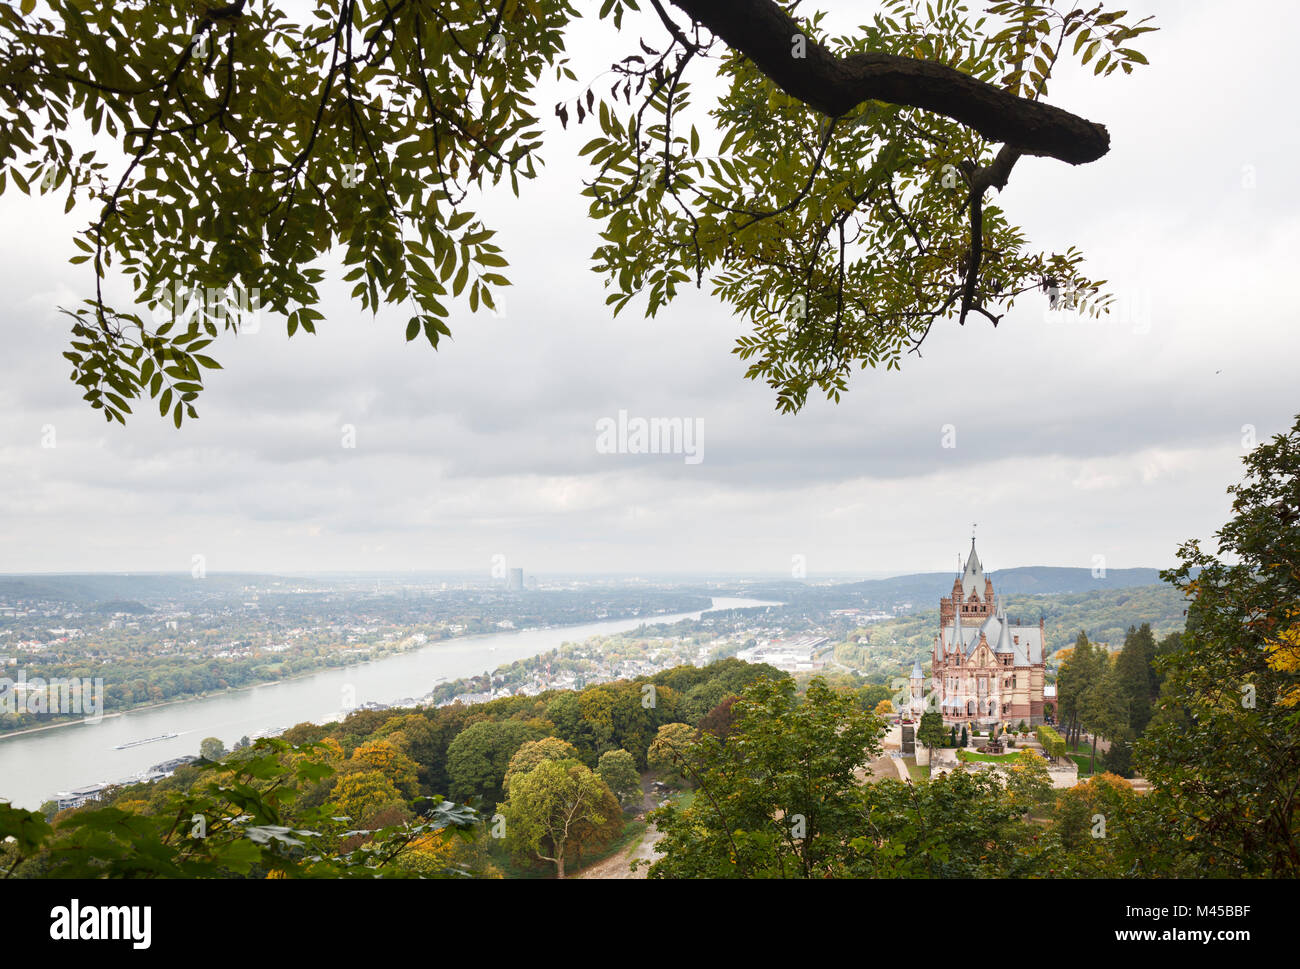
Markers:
(1105, 615)
(926, 587)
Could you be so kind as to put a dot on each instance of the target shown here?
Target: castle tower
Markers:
(958, 644)
(985, 668)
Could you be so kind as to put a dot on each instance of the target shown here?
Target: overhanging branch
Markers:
(765, 33)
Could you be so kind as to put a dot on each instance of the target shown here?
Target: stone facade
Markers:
(984, 669)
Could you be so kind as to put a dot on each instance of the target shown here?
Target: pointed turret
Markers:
(972, 577)
(1004, 637)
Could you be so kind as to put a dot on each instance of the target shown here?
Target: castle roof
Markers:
(972, 577)
(1004, 634)
(1027, 652)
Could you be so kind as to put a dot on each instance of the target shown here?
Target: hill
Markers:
(1105, 614)
(924, 588)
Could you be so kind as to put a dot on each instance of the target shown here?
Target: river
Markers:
(34, 766)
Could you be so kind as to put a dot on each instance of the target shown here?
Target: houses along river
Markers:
(33, 766)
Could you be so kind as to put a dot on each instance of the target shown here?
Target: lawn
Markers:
(918, 773)
(1084, 760)
(990, 758)
(1081, 754)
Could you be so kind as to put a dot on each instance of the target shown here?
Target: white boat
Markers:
(146, 740)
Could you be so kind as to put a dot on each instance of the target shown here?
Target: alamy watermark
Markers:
(58, 694)
(651, 435)
(231, 306)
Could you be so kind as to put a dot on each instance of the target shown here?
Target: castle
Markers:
(984, 669)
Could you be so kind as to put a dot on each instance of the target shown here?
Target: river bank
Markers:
(37, 762)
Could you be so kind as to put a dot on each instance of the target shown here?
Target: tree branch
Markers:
(765, 33)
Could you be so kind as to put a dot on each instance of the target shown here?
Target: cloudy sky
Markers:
(1074, 439)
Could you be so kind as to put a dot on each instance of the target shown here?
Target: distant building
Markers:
(791, 655)
(516, 580)
(79, 796)
(984, 669)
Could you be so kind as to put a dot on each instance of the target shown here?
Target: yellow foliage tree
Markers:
(361, 793)
(445, 851)
(1284, 656)
(384, 757)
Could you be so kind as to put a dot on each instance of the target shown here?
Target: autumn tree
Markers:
(870, 695)
(669, 751)
(837, 194)
(1223, 749)
(414, 735)
(1101, 828)
(361, 794)
(551, 806)
(780, 798)
(1027, 781)
(960, 824)
(721, 719)
(463, 852)
(384, 757)
(617, 768)
(241, 817)
(532, 753)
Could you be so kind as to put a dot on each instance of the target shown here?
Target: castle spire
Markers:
(1004, 635)
(972, 577)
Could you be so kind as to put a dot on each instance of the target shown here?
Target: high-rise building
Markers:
(516, 580)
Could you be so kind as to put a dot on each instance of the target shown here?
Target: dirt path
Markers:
(620, 865)
(881, 767)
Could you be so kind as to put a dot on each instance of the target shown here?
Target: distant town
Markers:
(152, 639)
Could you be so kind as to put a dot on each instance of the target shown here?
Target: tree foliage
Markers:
(776, 799)
(617, 768)
(668, 751)
(834, 195)
(1223, 748)
(532, 753)
(556, 807)
(930, 732)
(478, 758)
(240, 818)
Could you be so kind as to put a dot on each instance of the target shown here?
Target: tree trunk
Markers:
(1092, 764)
(559, 865)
